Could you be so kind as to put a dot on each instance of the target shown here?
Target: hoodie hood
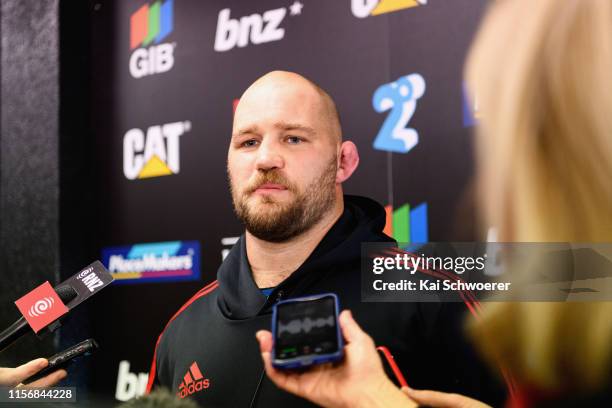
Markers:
(363, 220)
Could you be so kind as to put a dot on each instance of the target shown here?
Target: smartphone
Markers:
(387, 358)
(64, 358)
(306, 332)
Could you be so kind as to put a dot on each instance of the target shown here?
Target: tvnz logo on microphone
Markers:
(149, 26)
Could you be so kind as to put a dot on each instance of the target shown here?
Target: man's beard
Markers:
(278, 221)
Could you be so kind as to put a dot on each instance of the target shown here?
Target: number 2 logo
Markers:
(401, 97)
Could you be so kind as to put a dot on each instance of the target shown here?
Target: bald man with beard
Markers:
(286, 164)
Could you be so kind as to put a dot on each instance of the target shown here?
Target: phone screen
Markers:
(305, 328)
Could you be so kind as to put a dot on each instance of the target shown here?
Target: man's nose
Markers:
(268, 156)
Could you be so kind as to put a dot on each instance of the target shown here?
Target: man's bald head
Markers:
(304, 91)
(286, 161)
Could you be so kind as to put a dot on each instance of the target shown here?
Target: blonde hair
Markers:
(541, 72)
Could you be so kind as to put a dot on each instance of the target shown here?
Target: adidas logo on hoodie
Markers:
(192, 382)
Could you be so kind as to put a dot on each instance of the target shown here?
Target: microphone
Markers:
(21, 327)
(72, 292)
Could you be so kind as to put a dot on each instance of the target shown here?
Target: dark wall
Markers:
(29, 165)
(77, 202)
(349, 56)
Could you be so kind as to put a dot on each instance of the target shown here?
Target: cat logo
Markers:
(154, 153)
(366, 8)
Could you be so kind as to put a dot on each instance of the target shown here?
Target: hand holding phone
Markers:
(64, 358)
(356, 379)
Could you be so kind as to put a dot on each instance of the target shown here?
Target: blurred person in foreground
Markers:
(159, 398)
(542, 74)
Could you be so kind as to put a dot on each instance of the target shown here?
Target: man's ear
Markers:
(348, 161)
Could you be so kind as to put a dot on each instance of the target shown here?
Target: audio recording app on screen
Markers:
(306, 328)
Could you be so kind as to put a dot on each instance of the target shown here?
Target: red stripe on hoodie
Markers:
(202, 292)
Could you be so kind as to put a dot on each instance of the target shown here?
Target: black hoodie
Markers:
(208, 350)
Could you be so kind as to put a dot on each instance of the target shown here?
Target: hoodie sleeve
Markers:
(158, 365)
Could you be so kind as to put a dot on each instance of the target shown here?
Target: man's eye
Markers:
(294, 139)
(249, 143)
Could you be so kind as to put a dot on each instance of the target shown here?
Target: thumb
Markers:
(264, 338)
(350, 329)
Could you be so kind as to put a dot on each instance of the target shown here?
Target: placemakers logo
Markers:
(252, 29)
(154, 262)
(193, 382)
(149, 26)
(154, 152)
(366, 8)
(407, 225)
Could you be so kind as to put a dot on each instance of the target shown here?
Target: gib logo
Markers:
(366, 8)
(154, 262)
(401, 98)
(153, 153)
(407, 225)
(149, 25)
(192, 382)
(252, 29)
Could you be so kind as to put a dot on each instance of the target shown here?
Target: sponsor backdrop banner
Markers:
(165, 79)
